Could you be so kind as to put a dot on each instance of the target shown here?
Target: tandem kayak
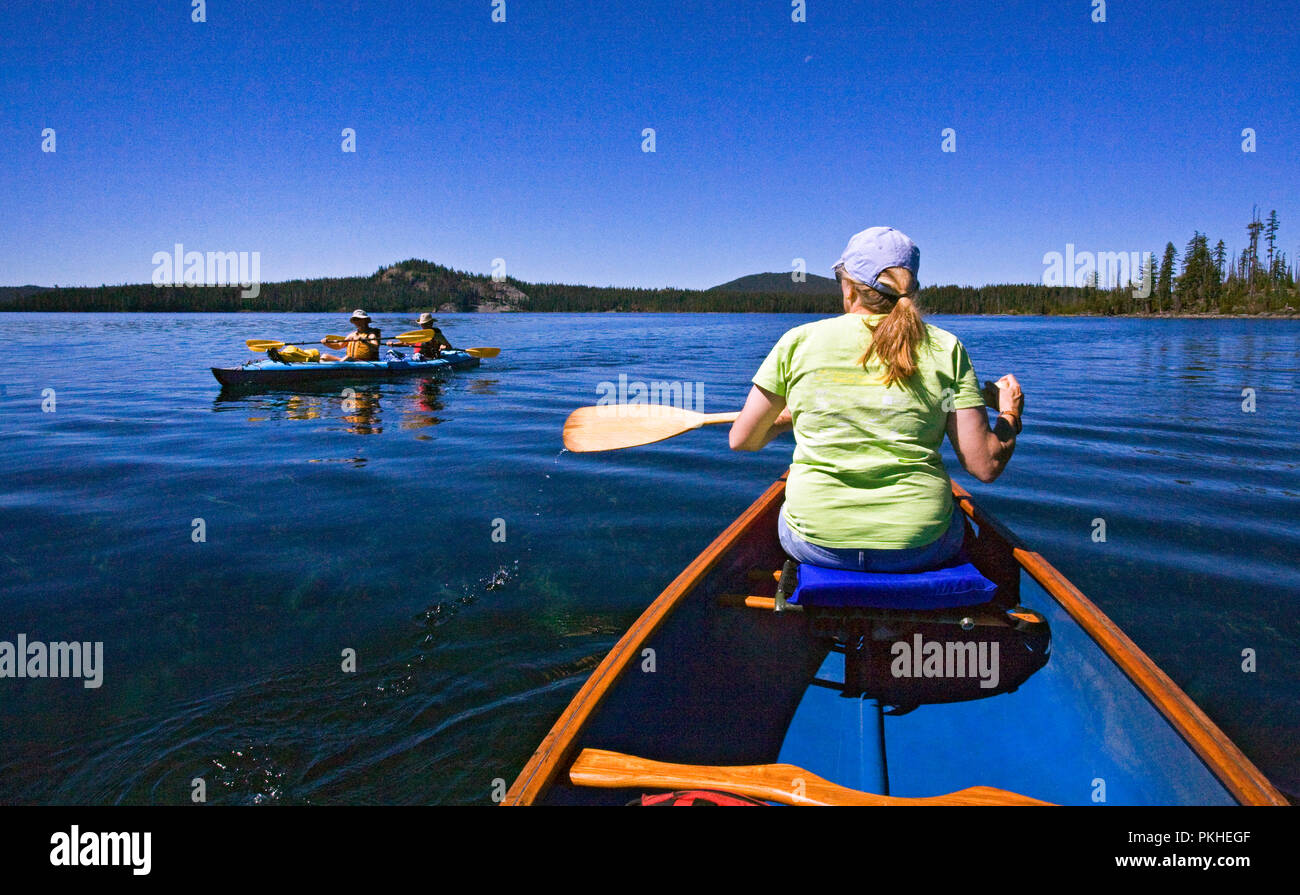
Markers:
(271, 373)
(991, 681)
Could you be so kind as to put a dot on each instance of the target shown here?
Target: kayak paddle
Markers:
(481, 352)
(609, 427)
(263, 344)
(415, 336)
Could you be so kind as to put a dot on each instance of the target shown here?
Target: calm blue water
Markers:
(369, 527)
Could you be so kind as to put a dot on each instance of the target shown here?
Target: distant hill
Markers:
(449, 290)
(411, 285)
(780, 283)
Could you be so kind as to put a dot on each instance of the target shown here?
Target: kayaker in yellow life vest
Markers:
(869, 396)
(363, 344)
(433, 348)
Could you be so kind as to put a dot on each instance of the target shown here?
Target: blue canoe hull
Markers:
(270, 373)
(737, 685)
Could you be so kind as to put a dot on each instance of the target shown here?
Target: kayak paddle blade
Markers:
(415, 336)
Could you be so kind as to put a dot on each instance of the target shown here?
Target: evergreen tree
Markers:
(1252, 250)
(1194, 286)
(1165, 283)
(1270, 235)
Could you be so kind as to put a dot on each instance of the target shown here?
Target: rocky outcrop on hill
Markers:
(452, 290)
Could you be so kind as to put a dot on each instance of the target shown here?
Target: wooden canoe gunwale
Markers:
(557, 746)
(1221, 756)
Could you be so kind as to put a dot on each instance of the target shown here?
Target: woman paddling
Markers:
(362, 344)
(869, 396)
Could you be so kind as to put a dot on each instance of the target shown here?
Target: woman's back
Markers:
(869, 397)
(867, 472)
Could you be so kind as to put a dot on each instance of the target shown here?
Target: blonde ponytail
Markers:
(895, 339)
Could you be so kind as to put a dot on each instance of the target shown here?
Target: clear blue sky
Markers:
(522, 140)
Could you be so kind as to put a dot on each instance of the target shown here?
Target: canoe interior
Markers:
(736, 686)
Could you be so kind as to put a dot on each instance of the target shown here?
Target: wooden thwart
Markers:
(782, 783)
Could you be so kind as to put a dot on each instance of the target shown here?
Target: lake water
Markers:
(367, 522)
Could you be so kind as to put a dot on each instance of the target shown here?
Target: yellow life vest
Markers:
(364, 350)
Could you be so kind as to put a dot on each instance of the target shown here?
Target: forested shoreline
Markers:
(1199, 281)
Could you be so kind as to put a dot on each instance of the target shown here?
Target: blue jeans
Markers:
(907, 559)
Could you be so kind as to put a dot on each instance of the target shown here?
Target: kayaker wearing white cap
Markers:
(869, 396)
(431, 349)
(363, 344)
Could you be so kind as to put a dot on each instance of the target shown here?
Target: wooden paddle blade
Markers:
(784, 783)
(482, 352)
(610, 427)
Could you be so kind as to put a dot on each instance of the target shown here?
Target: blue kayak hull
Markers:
(271, 373)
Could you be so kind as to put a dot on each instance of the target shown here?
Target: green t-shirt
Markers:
(867, 472)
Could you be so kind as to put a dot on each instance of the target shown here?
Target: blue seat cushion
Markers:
(957, 583)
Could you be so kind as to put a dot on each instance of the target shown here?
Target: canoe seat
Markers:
(957, 583)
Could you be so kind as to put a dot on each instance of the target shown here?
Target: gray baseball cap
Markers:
(873, 250)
